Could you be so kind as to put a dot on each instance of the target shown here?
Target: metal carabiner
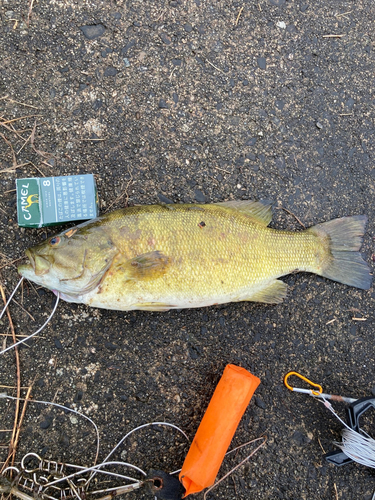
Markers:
(305, 391)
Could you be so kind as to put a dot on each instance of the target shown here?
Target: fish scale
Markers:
(163, 257)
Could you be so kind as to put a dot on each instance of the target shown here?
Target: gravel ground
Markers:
(194, 101)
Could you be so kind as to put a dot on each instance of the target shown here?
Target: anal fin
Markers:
(274, 293)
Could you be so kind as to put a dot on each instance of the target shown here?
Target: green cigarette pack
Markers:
(49, 201)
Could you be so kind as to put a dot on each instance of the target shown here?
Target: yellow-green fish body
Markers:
(178, 256)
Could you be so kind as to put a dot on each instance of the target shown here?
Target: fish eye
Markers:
(54, 241)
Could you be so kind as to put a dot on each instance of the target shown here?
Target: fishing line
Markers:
(96, 468)
(11, 297)
(39, 330)
(166, 424)
(356, 444)
(3, 395)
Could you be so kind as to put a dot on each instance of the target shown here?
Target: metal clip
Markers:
(305, 391)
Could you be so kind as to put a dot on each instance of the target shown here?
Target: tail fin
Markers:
(345, 264)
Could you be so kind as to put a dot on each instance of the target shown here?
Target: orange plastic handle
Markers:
(228, 403)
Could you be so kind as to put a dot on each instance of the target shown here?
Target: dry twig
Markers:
(239, 15)
(218, 69)
(29, 13)
(125, 192)
(336, 494)
(6, 97)
(14, 438)
(17, 119)
(291, 213)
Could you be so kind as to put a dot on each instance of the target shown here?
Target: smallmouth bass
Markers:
(159, 257)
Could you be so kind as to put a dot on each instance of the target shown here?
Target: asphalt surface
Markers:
(194, 101)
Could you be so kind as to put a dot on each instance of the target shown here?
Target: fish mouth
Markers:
(31, 259)
(39, 264)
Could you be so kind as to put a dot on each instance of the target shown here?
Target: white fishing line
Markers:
(10, 298)
(166, 424)
(97, 469)
(38, 331)
(3, 395)
(359, 448)
(355, 445)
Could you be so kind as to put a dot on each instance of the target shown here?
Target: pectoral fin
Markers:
(148, 266)
(274, 293)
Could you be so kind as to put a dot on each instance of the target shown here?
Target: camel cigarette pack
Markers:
(50, 201)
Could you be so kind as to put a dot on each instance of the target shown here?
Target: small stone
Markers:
(319, 125)
(176, 62)
(251, 141)
(46, 423)
(199, 196)
(193, 352)
(350, 103)
(110, 71)
(165, 38)
(117, 15)
(163, 104)
(281, 24)
(279, 103)
(164, 199)
(110, 346)
(175, 97)
(300, 438)
(93, 31)
(126, 62)
(245, 83)
(278, 3)
(64, 441)
(78, 397)
(260, 403)
(127, 47)
(262, 62)
(303, 7)
(58, 344)
(97, 104)
(141, 396)
(188, 27)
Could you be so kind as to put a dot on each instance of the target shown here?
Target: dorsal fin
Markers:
(261, 211)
